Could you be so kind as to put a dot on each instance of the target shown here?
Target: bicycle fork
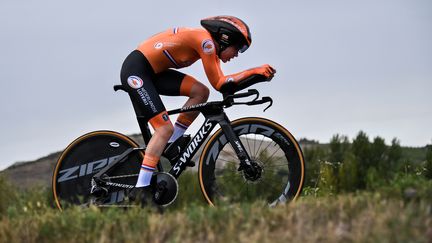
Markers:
(251, 170)
(235, 142)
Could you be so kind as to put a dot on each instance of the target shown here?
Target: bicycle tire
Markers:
(85, 156)
(220, 180)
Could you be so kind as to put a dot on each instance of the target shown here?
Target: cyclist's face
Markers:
(229, 53)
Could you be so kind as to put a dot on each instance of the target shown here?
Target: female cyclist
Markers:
(150, 71)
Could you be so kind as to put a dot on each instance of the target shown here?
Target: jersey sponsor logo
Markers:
(158, 45)
(145, 97)
(208, 46)
(135, 82)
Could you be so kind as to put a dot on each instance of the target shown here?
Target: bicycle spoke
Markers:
(278, 173)
(275, 180)
(242, 189)
(254, 143)
(228, 174)
(229, 154)
(275, 165)
(228, 161)
(256, 154)
(268, 145)
(269, 159)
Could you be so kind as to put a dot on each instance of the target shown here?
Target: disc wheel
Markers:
(83, 158)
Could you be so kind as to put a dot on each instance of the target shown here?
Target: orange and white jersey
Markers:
(181, 47)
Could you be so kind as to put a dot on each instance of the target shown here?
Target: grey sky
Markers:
(343, 66)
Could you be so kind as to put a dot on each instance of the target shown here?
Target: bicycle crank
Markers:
(165, 188)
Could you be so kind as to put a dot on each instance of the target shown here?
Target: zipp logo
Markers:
(190, 150)
(84, 169)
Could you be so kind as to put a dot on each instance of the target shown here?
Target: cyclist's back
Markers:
(183, 44)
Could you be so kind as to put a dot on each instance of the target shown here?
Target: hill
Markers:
(39, 172)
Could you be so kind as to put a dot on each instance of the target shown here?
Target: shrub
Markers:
(8, 195)
(428, 163)
(313, 156)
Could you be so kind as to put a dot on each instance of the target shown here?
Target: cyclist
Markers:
(149, 71)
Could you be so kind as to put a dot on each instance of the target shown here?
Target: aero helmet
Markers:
(228, 31)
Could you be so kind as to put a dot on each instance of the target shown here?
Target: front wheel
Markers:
(271, 148)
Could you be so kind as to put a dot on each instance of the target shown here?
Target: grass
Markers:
(359, 217)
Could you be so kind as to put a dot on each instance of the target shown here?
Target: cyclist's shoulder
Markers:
(199, 39)
(194, 34)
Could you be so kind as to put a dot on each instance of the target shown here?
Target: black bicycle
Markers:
(245, 160)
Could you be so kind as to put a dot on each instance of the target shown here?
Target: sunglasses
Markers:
(243, 48)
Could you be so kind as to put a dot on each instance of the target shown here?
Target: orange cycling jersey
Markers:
(181, 47)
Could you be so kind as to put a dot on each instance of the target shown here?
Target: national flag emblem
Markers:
(135, 82)
(208, 46)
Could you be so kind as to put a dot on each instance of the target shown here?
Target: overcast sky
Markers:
(343, 66)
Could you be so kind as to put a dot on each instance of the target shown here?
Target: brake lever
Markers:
(255, 93)
(263, 100)
(267, 99)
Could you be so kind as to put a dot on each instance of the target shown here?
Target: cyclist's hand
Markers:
(266, 70)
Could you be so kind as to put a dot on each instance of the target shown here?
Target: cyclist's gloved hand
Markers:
(265, 70)
(251, 76)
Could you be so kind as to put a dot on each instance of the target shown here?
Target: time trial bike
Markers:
(246, 159)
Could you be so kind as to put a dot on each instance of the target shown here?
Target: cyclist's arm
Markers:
(214, 73)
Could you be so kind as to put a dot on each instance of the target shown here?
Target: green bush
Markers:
(8, 194)
(360, 165)
(189, 191)
(408, 186)
(328, 179)
(313, 157)
(428, 163)
(348, 175)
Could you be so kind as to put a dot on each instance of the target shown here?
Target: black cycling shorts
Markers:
(144, 86)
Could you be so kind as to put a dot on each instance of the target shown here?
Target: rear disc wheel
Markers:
(83, 158)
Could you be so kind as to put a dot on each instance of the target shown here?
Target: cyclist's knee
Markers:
(165, 131)
(162, 124)
(200, 91)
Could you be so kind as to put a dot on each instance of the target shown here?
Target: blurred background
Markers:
(343, 66)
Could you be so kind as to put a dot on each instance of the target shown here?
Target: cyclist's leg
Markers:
(137, 77)
(175, 83)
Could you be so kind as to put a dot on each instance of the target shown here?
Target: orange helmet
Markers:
(228, 31)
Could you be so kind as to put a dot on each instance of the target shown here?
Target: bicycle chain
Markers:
(121, 176)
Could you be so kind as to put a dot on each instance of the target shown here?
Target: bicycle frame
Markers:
(214, 114)
(201, 136)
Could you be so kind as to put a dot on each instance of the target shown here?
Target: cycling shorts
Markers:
(144, 87)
